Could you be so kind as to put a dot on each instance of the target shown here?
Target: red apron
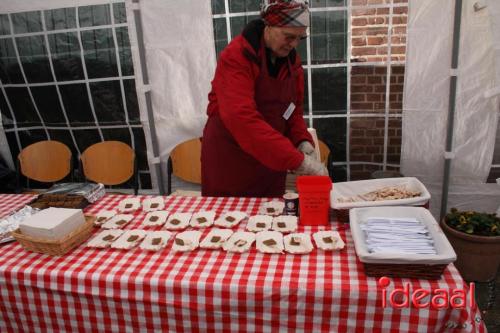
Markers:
(227, 170)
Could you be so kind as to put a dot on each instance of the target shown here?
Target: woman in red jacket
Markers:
(255, 130)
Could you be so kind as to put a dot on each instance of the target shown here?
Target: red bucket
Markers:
(314, 199)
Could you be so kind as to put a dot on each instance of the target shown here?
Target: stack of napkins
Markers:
(397, 235)
(52, 223)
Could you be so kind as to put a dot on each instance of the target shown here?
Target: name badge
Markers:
(289, 111)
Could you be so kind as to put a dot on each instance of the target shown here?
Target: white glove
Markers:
(311, 166)
(307, 148)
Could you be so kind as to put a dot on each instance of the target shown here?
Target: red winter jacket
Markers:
(232, 97)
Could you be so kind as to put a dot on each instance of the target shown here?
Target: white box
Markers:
(354, 188)
(445, 253)
(52, 223)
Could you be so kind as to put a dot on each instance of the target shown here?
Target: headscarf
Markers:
(285, 13)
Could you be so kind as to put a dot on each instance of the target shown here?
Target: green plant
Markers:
(474, 223)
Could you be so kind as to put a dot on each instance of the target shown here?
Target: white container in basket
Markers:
(445, 253)
(355, 188)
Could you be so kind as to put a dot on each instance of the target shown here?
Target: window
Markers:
(67, 75)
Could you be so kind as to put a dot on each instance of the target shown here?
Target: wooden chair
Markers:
(45, 161)
(325, 156)
(110, 163)
(185, 163)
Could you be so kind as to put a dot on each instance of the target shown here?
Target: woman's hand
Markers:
(307, 148)
(311, 166)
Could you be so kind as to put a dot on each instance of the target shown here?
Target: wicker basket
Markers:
(416, 271)
(56, 247)
(396, 263)
(342, 215)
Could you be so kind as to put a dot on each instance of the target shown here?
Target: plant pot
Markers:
(478, 257)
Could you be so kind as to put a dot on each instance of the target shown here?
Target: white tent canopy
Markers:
(180, 58)
(178, 41)
(180, 61)
(426, 100)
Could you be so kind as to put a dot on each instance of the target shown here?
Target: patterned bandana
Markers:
(285, 13)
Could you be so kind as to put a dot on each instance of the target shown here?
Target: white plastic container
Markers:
(445, 253)
(360, 187)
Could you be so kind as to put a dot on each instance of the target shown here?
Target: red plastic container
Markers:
(314, 199)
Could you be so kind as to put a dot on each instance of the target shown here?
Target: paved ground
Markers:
(491, 316)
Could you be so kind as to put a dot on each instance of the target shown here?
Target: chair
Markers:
(110, 163)
(185, 163)
(324, 155)
(45, 161)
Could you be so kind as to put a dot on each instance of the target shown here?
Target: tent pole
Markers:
(451, 107)
(149, 105)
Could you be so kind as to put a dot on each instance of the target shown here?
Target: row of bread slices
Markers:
(109, 219)
(132, 204)
(241, 241)
(129, 205)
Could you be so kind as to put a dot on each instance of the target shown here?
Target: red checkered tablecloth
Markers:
(93, 290)
(12, 202)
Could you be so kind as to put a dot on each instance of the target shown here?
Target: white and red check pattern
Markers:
(9, 203)
(207, 290)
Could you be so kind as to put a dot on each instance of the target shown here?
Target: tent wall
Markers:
(425, 104)
(15, 6)
(494, 10)
(180, 58)
(67, 75)
(4, 147)
(180, 61)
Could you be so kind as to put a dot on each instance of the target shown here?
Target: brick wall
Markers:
(370, 27)
(367, 144)
(370, 31)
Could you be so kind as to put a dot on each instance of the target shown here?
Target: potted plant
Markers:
(475, 237)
